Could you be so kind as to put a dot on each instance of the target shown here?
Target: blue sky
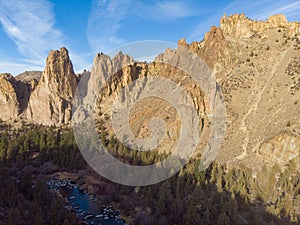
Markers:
(30, 28)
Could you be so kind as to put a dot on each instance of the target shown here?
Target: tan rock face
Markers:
(278, 20)
(8, 98)
(239, 25)
(256, 65)
(111, 69)
(50, 101)
(16, 91)
(148, 108)
(280, 149)
(260, 89)
(215, 46)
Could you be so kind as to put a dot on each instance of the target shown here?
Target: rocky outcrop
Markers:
(215, 47)
(15, 94)
(114, 74)
(239, 25)
(255, 64)
(24, 85)
(109, 68)
(213, 50)
(9, 103)
(280, 149)
(29, 76)
(260, 90)
(50, 100)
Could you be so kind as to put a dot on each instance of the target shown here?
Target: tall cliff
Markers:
(50, 100)
(256, 64)
(10, 107)
(122, 71)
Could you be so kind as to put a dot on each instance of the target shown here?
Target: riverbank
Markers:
(88, 207)
(95, 185)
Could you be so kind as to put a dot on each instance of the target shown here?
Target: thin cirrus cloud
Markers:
(290, 10)
(259, 10)
(30, 24)
(107, 18)
(18, 67)
(104, 22)
(164, 11)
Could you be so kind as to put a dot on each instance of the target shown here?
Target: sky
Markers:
(29, 29)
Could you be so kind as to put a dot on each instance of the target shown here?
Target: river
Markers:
(86, 206)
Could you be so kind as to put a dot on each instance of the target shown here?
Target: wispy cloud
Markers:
(259, 10)
(107, 18)
(104, 22)
(14, 67)
(165, 11)
(30, 24)
(81, 61)
(290, 10)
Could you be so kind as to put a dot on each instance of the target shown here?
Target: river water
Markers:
(87, 206)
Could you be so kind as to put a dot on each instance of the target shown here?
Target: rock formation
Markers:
(119, 72)
(256, 64)
(15, 94)
(10, 107)
(29, 76)
(111, 69)
(40, 97)
(26, 82)
(257, 70)
(50, 101)
(240, 26)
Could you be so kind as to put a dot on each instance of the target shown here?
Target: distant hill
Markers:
(28, 76)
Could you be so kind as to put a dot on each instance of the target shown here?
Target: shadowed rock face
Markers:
(50, 100)
(15, 95)
(10, 107)
(29, 76)
(24, 85)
